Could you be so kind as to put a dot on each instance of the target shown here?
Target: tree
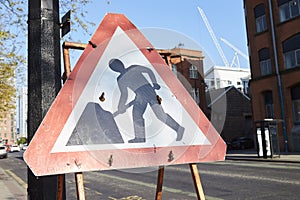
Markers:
(8, 62)
(13, 40)
(22, 140)
(7, 89)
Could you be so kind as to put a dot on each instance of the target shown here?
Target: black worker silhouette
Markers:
(95, 126)
(133, 78)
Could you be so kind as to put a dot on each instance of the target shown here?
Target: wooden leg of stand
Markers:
(60, 186)
(79, 186)
(197, 182)
(159, 186)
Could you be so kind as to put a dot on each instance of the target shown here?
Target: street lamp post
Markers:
(44, 80)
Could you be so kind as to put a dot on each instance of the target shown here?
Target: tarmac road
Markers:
(241, 176)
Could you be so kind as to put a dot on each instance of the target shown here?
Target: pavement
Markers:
(251, 155)
(12, 188)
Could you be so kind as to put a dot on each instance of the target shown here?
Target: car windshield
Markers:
(2, 147)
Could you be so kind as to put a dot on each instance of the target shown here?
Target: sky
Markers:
(166, 23)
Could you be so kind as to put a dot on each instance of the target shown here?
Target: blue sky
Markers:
(166, 23)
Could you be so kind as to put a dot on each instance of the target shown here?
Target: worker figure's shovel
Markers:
(126, 107)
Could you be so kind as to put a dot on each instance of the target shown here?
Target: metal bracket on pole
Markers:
(66, 56)
(65, 24)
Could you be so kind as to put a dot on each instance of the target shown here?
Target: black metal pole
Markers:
(43, 80)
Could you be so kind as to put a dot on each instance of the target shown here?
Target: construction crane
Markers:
(210, 30)
(235, 59)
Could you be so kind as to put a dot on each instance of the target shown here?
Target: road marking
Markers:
(258, 164)
(132, 198)
(150, 185)
(234, 175)
(98, 193)
(18, 179)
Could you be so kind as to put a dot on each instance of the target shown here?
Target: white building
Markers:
(22, 104)
(220, 77)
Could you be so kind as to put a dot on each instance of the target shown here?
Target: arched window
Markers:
(264, 61)
(193, 72)
(288, 9)
(291, 51)
(260, 18)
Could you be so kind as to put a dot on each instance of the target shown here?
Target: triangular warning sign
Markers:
(121, 107)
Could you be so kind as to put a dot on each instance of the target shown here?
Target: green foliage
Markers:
(22, 140)
(11, 46)
(13, 42)
(7, 89)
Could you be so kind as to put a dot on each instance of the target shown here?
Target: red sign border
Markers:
(38, 156)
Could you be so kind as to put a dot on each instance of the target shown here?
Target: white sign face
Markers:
(132, 115)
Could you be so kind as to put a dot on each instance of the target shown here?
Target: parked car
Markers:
(14, 148)
(241, 143)
(25, 146)
(3, 153)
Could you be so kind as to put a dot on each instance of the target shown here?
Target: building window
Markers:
(265, 67)
(264, 61)
(288, 9)
(193, 72)
(195, 95)
(174, 69)
(269, 107)
(260, 18)
(245, 86)
(291, 51)
(296, 111)
(292, 59)
(218, 83)
(296, 103)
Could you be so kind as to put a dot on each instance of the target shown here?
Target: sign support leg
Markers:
(160, 178)
(197, 181)
(60, 186)
(79, 186)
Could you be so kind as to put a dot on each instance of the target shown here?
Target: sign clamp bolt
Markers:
(77, 164)
(171, 156)
(110, 160)
(154, 148)
(102, 98)
(150, 49)
(93, 44)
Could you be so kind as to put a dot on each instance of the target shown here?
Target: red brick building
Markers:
(187, 65)
(273, 29)
(8, 129)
